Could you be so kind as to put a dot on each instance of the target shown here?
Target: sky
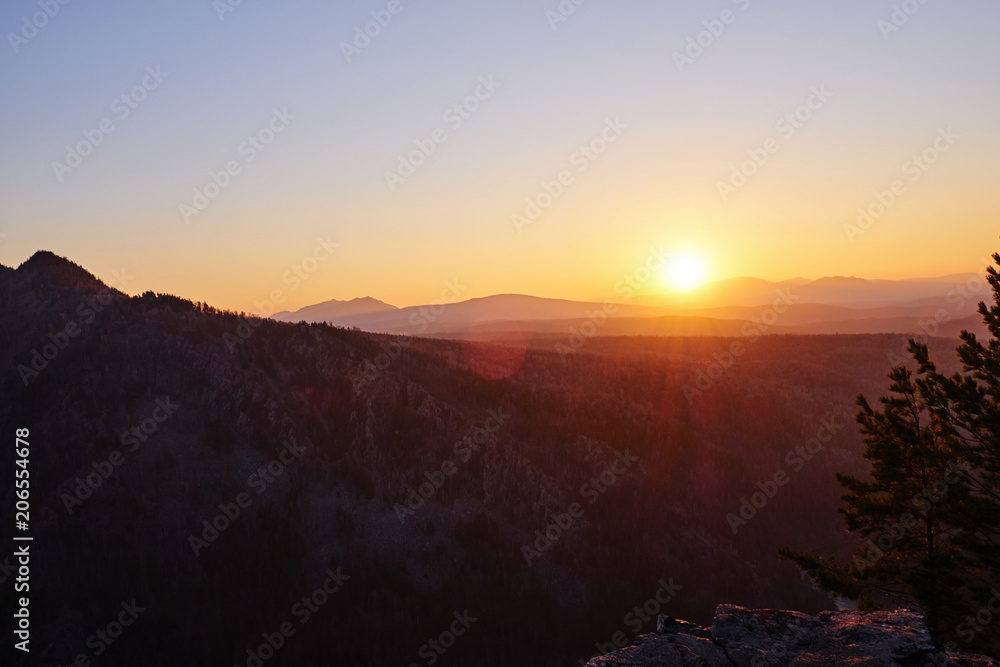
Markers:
(228, 151)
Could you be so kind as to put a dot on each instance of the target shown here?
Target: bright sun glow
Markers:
(684, 271)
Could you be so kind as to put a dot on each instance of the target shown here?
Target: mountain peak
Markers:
(47, 270)
(335, 308)
(366, 299)
(846, 279)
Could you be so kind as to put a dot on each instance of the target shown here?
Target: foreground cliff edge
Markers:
(757, 637)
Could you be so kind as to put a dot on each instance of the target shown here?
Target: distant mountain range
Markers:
(846, 291)
(941, 306)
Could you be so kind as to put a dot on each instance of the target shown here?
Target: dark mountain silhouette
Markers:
(220, 468)
(48, 273)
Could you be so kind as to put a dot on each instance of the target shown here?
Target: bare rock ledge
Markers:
(742, 637)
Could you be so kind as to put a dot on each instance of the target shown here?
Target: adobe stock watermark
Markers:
(248, 150)
(698, 43)
(582, 158)
(7, 570)
(636, 618)
(420, 321)
(297, 273)
(103, 638)
(562, 12)
(86, 312)
(914, 169)
(303, 611)
(971, 626)
(462, 452)
(455, 116)
(706, 378)
(32, 25)
(796, 460)
(130, 439)
(259, 481)
(22, 617)
(363, 35)
(223, 7)
(877, 547)
(900, 16)
(592, 490)
(121, 108)
(579, 335)
(427, 315)
(786, 127)
(627, 287)
(973, 289)
(434, 648)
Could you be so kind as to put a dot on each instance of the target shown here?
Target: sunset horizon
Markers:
(399, 333)
(655, 286)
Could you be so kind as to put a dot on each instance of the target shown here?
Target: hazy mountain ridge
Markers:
(499, 307)
(334, 309)
(826, 306)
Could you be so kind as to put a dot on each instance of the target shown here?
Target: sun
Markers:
(684, 271)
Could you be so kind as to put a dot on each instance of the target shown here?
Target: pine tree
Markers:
(930, 514)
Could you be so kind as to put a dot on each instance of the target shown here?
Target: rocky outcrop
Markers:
(763, 637)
